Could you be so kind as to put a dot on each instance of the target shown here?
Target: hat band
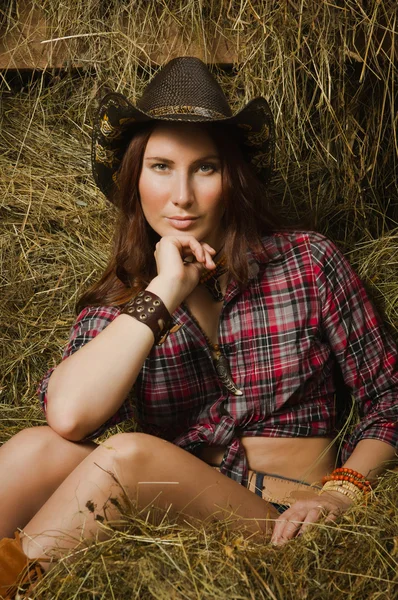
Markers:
(185, 110)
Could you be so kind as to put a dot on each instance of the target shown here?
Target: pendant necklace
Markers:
(220, 362)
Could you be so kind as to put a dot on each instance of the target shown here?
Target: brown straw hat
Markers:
(183, 90)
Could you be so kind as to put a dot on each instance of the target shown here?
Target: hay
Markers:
(377, 263)
(357, 559)
(328, 72)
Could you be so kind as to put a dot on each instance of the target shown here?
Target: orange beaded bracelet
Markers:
(351, 476)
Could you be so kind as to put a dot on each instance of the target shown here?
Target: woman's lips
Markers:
(181, 223)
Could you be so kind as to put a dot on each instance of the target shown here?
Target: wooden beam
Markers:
(21, 45)
(21, 48)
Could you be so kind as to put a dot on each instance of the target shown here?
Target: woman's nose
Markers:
(183, 191)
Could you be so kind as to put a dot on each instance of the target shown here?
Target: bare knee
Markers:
(31, 439)
(44, 443)
(134, 444)
(137, 450)
(131, 461)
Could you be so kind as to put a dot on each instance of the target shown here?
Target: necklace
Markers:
(219, 361)
(210, 279)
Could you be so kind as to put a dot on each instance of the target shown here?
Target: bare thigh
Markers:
(149, 472)
(33, 463)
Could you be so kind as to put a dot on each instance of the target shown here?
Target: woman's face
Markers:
(180, 184)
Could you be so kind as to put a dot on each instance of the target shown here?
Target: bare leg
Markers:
(142, 464)
(33, 463)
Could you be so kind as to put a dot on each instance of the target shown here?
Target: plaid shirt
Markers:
(303, 311)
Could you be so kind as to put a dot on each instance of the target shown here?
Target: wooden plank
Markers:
(21, 47)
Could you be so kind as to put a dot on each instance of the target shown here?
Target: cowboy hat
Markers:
(183, 90)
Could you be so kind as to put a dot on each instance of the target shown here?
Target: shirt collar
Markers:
(270, 252)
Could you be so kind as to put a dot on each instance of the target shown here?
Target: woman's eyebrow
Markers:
(167, 160)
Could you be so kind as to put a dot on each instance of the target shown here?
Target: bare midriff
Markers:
(306, 459)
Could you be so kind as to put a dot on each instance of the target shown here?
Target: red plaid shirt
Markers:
(303, 311)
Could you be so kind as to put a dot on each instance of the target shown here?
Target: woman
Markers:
(216, 330)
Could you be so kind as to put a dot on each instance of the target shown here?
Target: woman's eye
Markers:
(208, 168)
(205, 168)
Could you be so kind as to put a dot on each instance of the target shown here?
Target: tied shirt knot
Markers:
(224, 433)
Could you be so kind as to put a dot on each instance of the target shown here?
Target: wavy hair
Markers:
(246, 220)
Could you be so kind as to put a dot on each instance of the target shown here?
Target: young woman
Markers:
(216, 330)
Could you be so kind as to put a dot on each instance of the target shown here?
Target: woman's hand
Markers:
(308, 508)
(177, 277)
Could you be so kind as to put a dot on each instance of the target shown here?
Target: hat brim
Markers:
(117, 118)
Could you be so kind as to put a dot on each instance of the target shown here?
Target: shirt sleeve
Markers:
(362, 345)
(89, 323)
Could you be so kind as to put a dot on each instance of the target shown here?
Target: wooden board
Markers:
(21, 46)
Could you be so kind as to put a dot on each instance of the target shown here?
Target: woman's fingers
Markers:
(202, 253)
(317, 513)
(313, 516)
(210, 249)
(197, 250)
(287, 525)
(210, 252)
(209, 262)
(186, 246)
(180, 261)
(332, 516)
(297, 519)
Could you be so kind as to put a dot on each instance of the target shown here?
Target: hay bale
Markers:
(318, 64)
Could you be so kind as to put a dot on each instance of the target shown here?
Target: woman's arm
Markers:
(89, 386)
(371, 458)
(368, 359)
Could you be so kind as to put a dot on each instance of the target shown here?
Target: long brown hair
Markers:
(132, 264)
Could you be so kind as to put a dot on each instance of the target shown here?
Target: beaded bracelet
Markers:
(351, 476)
(149, 309)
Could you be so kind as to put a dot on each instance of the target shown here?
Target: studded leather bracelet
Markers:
(149, 309)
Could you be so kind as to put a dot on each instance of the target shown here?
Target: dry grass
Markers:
(356, 559)
(328, 72)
